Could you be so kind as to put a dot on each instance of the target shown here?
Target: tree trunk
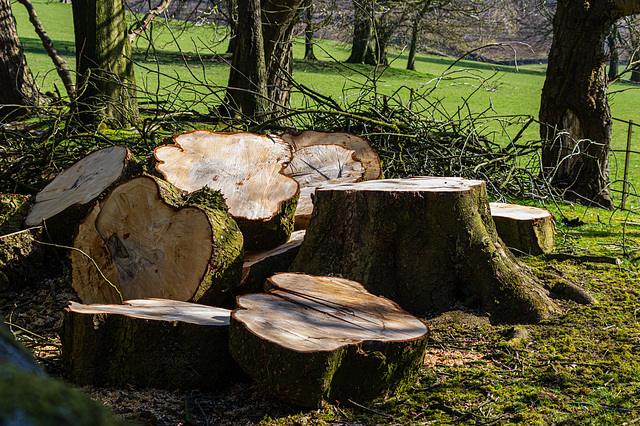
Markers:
(426, 243)
(614, 57)
(150, 343)
(574, 111)
(247, 169)
(525, 229)
(18, 88)
(146, 240)
(308, 31)
(362, 45)
(316, 339)
(413, 45)
(232, 23)
(105, 76)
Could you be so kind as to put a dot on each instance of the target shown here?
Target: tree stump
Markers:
(528, 230)
(426, 243)
(151, 343)
(20, 256)
(319, 165)
(144, 241)
(67, 199)
(317, 339)
(258, 266)
(247, 169)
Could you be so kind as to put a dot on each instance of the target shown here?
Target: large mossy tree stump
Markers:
(316, 339)
(426, 243)
(146, 240)
(247, 169)
(67, 199)
(151, 343)
(526, 229)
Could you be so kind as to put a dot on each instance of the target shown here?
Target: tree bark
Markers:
(150, 343)
(362, 45)
(574, 111)
(614, 57)
(308, 31)
(316, 339)
(426, 243)
(105, 77)
(18, 88)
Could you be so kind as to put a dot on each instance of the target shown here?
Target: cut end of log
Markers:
(524, 229)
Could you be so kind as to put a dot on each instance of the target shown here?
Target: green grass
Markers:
(198, 55)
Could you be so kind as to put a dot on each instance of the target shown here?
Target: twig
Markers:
(584, 258)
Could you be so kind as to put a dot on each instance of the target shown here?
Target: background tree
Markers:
(105, 77)
(17, 85)
(574, 111)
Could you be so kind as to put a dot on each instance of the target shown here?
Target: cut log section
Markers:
(524, 229)
(66, 200)
(21, 256)
(247, 169)
(143, 241)
(316, 339)
(426, 243)
(318, 165)
(258, 266)
(151, 342)
(364, 153)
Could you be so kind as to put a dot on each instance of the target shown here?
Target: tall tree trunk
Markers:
(574, 112)
(362, 44)
(17, 85)
(232, 22)
(411, 60)
(614, 58)
(105, 77)
(308, 31)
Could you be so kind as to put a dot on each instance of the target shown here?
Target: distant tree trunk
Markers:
(17, 85)
(574, 99)
(362, 44)
(415, 29)
(105, 77)
(262, 61)
(232, 22)
(614, 58)
(308, 31)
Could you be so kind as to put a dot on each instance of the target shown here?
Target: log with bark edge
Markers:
(149, 342)
(319, 165)
(66, 199)
(260, 265)
(21, 256)
(364, 153)
(426, 243)
(148, 242)
(247, 169)
(528, 230)
(316, 339)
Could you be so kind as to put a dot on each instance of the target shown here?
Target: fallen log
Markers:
(151, 342)
(316, 339)
(247, 169)
(427, 243)
(146, 240)
(524, 229)
(63, 203)
(260, 265)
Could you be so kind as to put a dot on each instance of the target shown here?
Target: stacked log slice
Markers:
(426, 243)
(66, 200)
(528, 230)
(260, 265)
(247, 169)
(364, 153)
(20, 256)
(318, 165)
(316, 339)
(142, 241)
(150, 342)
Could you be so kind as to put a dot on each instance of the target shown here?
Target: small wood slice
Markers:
(66, 200)
(318, 165)
(427, 243)
(364, 153)
(147, 242)
(528, 230)
(260, 265)
(247, 169)
(150, 343)
(317, 339)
